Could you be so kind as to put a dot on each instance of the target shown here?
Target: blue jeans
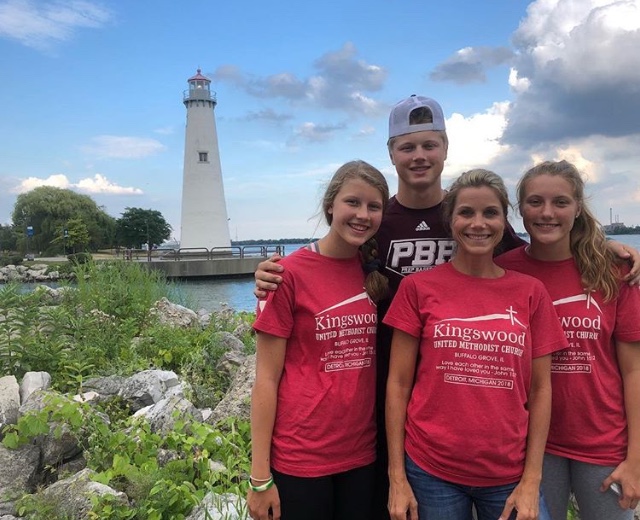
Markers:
(442, 500)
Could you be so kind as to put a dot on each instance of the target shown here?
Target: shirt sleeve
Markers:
(404, 314)
(627, 327)
(275, 314)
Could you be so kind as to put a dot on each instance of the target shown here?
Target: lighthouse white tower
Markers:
(204, 211)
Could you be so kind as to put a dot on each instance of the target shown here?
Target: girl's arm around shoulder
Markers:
(270, 356)
(627, 474)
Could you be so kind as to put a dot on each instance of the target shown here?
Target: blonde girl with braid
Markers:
(312, 407)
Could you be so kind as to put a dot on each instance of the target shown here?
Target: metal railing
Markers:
(202, 253)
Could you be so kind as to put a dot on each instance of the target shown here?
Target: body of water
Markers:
(237, 293)
(213, 294)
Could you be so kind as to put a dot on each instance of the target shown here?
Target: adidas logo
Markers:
(422, 226)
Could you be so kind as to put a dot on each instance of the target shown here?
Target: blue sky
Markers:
(91, 96)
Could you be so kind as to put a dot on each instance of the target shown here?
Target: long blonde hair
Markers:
(596, 263)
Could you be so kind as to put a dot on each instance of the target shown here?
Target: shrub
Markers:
(80, 258)
(10, 259)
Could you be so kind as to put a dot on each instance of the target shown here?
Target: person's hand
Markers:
(632, 255)
(402, 502)
(525, 499)
(264, 505)
(628, 476)
(266, 277)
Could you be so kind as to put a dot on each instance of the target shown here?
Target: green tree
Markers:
(139, 226)
(8, 238)
(49, 210)
(74, 236)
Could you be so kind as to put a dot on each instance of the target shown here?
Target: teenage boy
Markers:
(412, 236)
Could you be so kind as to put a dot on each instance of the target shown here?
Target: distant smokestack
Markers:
(611, 216)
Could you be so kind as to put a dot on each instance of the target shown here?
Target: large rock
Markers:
(18, 474)
(9, 400)
(108, 386)
(142, 389)
(174, 315)
(163, 415)
(220, 507)
(33, 381)
(73, 494)
(237, 401)
(229, 342)
(148, 387)
(60, 444)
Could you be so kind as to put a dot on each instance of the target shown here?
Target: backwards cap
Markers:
(400, 116)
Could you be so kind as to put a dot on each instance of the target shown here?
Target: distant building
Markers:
(204, 222)
(612, 229)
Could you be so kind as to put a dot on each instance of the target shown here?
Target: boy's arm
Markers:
(632, 255)
(266, 276)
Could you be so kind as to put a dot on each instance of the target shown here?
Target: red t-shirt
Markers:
(467, 417)
(588, 420)
(325, 413)
(409, 241)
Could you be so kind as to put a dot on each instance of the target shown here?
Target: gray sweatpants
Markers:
(560, 476)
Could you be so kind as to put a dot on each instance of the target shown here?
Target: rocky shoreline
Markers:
(53, 466)
(31, 273)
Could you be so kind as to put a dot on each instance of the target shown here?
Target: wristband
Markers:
(254, 479)
(262, 487)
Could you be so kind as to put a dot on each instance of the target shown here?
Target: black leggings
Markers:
(343, 496)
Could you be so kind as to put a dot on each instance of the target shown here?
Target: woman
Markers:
(312, 406)
(594, 439)
(469, 391)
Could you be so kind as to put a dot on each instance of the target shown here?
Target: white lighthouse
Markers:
(204, 211)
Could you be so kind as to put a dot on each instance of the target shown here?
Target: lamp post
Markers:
(29, 235)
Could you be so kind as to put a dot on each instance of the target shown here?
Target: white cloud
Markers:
(30, 183)
(315, 133)
(41, 23)
(121, 147)
(474, 141)
(468, 65)
(342, 82)
(518, 84)
(98, 184)
(365, 131)
(165, 130)
(580, 61)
